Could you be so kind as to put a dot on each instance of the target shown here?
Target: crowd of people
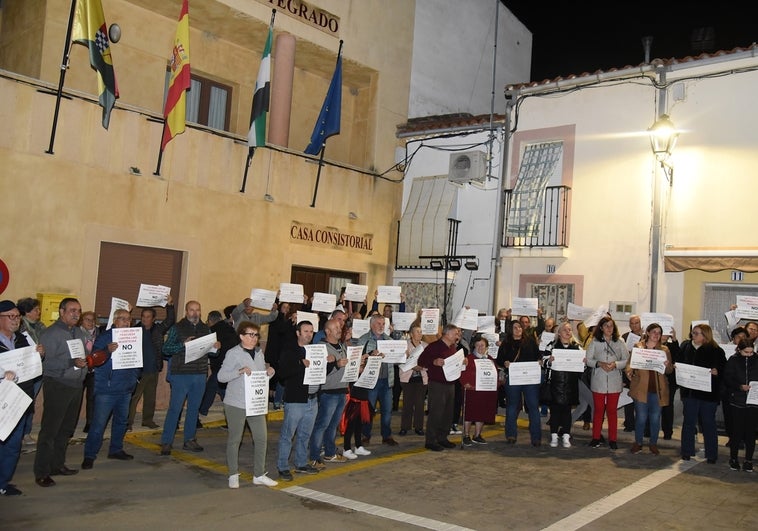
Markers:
(316, 414)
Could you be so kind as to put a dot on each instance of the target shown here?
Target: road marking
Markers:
(375, 510)
(613, 501)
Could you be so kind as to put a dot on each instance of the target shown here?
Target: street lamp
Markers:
(663, 136)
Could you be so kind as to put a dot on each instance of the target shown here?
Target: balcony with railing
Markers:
(547, 227)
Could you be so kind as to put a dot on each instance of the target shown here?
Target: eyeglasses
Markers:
(12, 317)
(251, 334)
(697, 333)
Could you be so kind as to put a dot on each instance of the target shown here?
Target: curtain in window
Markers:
(193, 101)
(528, 200)
(217, 108)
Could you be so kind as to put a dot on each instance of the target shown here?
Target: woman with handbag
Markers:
(607, 355)
(564, 389)
(520, 347)
(649, 390)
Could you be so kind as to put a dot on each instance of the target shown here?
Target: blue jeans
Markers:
(330, 407)
(30, 416)
(382, 392)
(642, 412)
(189, 387)
(298, 421)
(531, 395)
(106, 404)
(705, 411)
(278, 394)
(10, 451)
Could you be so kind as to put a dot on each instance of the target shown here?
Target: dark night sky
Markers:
(575, 37)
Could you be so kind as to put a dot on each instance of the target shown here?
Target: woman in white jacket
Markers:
(243, 360)
(607, 356)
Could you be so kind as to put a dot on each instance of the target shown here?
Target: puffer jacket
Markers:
(564, 385)
(740, 370)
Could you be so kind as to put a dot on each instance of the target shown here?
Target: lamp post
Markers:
(447, 262)
(663, 137)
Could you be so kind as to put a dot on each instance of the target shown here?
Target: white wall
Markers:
(475, 208)
(453, 53)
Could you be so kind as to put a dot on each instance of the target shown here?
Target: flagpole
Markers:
(160, 151)
(318, 173)
(64, 67)
(250, 153)
(323, 146)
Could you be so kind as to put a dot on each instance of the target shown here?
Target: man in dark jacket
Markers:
(153, 363)
(113, 392)
(228, 338)
(12, 339)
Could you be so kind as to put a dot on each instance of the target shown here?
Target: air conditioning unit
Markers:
(468, 167)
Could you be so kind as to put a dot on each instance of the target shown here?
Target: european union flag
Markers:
(328, 122)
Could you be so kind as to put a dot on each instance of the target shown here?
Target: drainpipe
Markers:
(655, 239)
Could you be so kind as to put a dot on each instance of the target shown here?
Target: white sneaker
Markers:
(553, 440)
(29, 440)
(265, 481)
(566, 441)
(349, 454)
(234, 481)
(362, 451)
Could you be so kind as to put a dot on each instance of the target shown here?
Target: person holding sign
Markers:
(740, 370)
(241, 361)
(187, 379)
(414, 382)
(10, 448)
(479, 405)
(650, 390)
(62, 383)
(441, 392)
(113, 393)
(700, 406)
(607, 356)
(520, 347)
(245, 311)
(300, 405)
(564, 388)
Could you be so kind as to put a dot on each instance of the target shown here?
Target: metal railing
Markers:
(552, 229)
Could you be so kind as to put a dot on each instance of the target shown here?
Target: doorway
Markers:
(322, 280)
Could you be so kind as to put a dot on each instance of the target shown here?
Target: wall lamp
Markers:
(663, 136)
(436, 265)
(471, 264)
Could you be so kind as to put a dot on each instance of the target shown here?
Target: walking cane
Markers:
(465, 432)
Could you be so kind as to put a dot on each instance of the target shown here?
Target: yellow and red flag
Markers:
(179, 81)
(89, 29)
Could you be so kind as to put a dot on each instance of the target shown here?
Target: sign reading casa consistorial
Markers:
(331, 237)
(305, 12)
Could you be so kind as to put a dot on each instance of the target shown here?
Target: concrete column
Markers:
(281, 90)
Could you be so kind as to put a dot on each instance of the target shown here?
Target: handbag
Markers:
(546, 393)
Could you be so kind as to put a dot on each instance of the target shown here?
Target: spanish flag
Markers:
(90, 30)
(179, 82)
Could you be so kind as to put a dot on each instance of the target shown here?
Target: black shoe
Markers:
(285, 475)
(434, 447)
(747, 466)
(199, 425)
(45, 481)
(419, 432)
(88, 463)
(10, 490)
(628, 429)
(594, 443)
(151, 425)
(446, 444)
(403, 433)
(613, 446)
(467, 441)
(667, 436)
(121, 456)
(307, 469)
(64, 471)
(734, 464)
(686, 458)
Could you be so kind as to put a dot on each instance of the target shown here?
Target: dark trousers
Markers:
(413, 406)
(89, 395)
(457, 403)
(667, 413)
(59, 415)
(441, 398)
(744, 424)
(397, 389)
(145, 388)
(212, 388)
